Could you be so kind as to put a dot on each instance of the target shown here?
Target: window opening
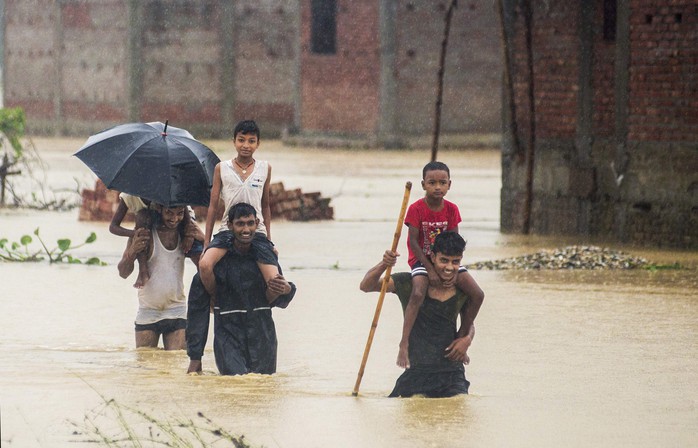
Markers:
(323, 33)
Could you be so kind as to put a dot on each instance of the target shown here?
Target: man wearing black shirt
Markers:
(244, 333)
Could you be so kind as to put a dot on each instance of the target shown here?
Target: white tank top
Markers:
(234, 190)
(163, 297)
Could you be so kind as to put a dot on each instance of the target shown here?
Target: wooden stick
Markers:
(384, 287)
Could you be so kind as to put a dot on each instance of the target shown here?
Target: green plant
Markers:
(19, 251)
(12, 122)
(663, 267)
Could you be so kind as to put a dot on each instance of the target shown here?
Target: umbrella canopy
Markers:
(166, 165)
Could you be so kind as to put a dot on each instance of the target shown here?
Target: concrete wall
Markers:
(80, 66)
(615, 134)
(472, 77)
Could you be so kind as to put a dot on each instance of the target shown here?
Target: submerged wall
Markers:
(612, 149)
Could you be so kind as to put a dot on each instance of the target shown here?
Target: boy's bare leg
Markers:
(269, 271)
(175, 340)
(147, 338)
(206, 264)
(143, 272)
(187, 243)
(142, 221)
(420, 283)
(466, 283)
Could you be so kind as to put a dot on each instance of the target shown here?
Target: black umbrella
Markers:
(163, 164)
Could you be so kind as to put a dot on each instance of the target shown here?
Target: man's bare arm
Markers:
(372, 281)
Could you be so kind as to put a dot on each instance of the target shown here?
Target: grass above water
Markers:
(114, 424)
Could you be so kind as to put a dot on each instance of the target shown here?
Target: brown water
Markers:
(602, 359)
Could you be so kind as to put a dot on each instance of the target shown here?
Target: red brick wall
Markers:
(556, 73)
(340, 92)
(602, 78)
(643, 190)
(664, 71)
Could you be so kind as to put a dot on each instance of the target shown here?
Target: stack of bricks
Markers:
(295, 205)
(100, 204)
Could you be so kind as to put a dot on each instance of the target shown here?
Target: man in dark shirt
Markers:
(437, 348)
(244, 333)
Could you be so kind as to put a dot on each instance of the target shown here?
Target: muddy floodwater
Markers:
(560, 358)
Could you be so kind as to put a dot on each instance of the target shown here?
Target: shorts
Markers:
(163, 326)
(262, 247)
(419, 269)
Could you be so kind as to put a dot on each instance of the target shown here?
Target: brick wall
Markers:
(181, 55)
(68, 64)
(80, 66)
(630, 178)
(340, 92)
(603, 60)
(30, 48)
(555, 72)
(664, 73)
(472, 77)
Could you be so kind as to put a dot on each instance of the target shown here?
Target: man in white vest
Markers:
(162, 304)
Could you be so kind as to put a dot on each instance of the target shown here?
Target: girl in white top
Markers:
(242, 179)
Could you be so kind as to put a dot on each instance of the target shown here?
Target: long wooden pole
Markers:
(384, 287)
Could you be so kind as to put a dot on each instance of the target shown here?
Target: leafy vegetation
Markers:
(12, 122)
(664, 267)
(20, 161)
(20, 251)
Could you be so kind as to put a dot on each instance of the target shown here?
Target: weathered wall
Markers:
(472, 77)
(79, 66)
(615, 135)
(340, 91)
(64, 62)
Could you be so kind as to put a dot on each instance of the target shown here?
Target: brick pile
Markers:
(99, 204)
(293, 205)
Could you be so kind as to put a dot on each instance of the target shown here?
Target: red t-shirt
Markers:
(430, 224)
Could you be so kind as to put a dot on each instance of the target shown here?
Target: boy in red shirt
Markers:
(425, 219)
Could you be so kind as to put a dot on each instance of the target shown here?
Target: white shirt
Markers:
(234, 190)
(162, 296)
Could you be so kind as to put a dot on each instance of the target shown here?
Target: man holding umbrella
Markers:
(168, 166)
(162, 304)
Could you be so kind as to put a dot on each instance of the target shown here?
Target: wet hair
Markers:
(241, 209)
(435, 166)
(246, 127)
(448, 243)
